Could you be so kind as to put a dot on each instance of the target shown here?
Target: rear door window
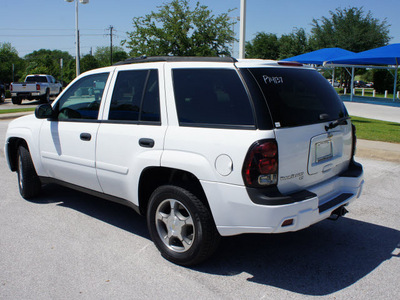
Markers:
(136, 97)
(212, 98)
(298, 97)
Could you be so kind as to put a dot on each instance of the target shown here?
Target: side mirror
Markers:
(44, 111)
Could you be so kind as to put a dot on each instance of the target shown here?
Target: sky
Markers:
(31, 25)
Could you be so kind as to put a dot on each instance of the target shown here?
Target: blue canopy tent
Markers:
(320, 56)
(387, 55)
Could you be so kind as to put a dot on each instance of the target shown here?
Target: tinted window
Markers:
(211, 97)
(136, 96)
(82, 99)
(151, 101)
(36, 79)
(298, 97)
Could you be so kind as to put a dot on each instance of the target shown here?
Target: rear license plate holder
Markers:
(323, 151)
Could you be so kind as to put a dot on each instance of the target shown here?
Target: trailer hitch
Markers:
(338, 212)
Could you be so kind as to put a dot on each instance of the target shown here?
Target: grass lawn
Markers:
(375, 130)
(9, 111)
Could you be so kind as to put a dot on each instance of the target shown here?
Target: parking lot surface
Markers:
(68, 245)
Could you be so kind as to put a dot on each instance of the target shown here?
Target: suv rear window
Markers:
(298, 97)
(212, 98)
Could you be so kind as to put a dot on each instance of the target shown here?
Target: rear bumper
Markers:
(236, 212)
(25, 94)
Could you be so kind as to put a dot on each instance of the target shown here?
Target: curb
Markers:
(378, 150)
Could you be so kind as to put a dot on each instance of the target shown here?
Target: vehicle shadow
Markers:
(112, 213)
(317, 261)
(27, 102)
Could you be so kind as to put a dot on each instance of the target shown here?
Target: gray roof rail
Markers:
(143, 59)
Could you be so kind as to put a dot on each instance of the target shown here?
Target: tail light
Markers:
(290, 63)
(38, 87)
(260, 168)
(353, 140)
(11, 87)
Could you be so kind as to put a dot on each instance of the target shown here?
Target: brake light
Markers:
(38, 87)
(260, 168)
(290, 63)
(353, 140)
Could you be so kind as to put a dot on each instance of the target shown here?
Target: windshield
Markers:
(298, 97)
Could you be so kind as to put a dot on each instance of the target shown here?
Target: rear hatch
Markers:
(311, 125)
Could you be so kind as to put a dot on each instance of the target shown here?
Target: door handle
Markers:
(85, 136)
(146, 143)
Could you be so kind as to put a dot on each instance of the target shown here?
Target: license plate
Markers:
(323, 151)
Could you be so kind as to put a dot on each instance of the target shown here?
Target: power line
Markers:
(46, 29)
(36, 35)
(47, 35)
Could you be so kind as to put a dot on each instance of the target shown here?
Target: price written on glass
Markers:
(272, 80)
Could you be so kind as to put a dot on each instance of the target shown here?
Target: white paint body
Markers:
(112, 161)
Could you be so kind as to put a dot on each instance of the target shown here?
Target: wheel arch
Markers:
(12, 151)
(154, 177)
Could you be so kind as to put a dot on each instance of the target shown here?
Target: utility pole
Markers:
(111, 28)
(242, 29)
(233, 30)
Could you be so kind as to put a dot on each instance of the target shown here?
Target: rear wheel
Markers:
(16, 100)
(28, 181)
(46, 97)
(181, 226)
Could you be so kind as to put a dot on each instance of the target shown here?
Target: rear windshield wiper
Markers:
(341, 121)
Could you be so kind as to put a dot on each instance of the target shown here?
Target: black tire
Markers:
(16, 100)
(185, 234)
(2, 96)
(28, 181)
(46, 97)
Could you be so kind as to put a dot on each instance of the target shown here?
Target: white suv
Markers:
(204, 147)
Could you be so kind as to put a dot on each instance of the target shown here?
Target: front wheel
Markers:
(2, 97)
(28, 181)
(181, 226)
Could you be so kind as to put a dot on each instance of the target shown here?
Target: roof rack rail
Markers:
(144, 58)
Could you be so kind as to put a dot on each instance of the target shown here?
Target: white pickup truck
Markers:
(35, 87)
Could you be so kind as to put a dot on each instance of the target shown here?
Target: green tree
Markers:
(89, 62)
(293, 44)
(45, 61)
(383, 80)
(8, 58)
(349, 29)
(176, 29)
(103, 55)
(264, 45)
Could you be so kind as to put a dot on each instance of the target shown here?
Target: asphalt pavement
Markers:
(374, 111)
